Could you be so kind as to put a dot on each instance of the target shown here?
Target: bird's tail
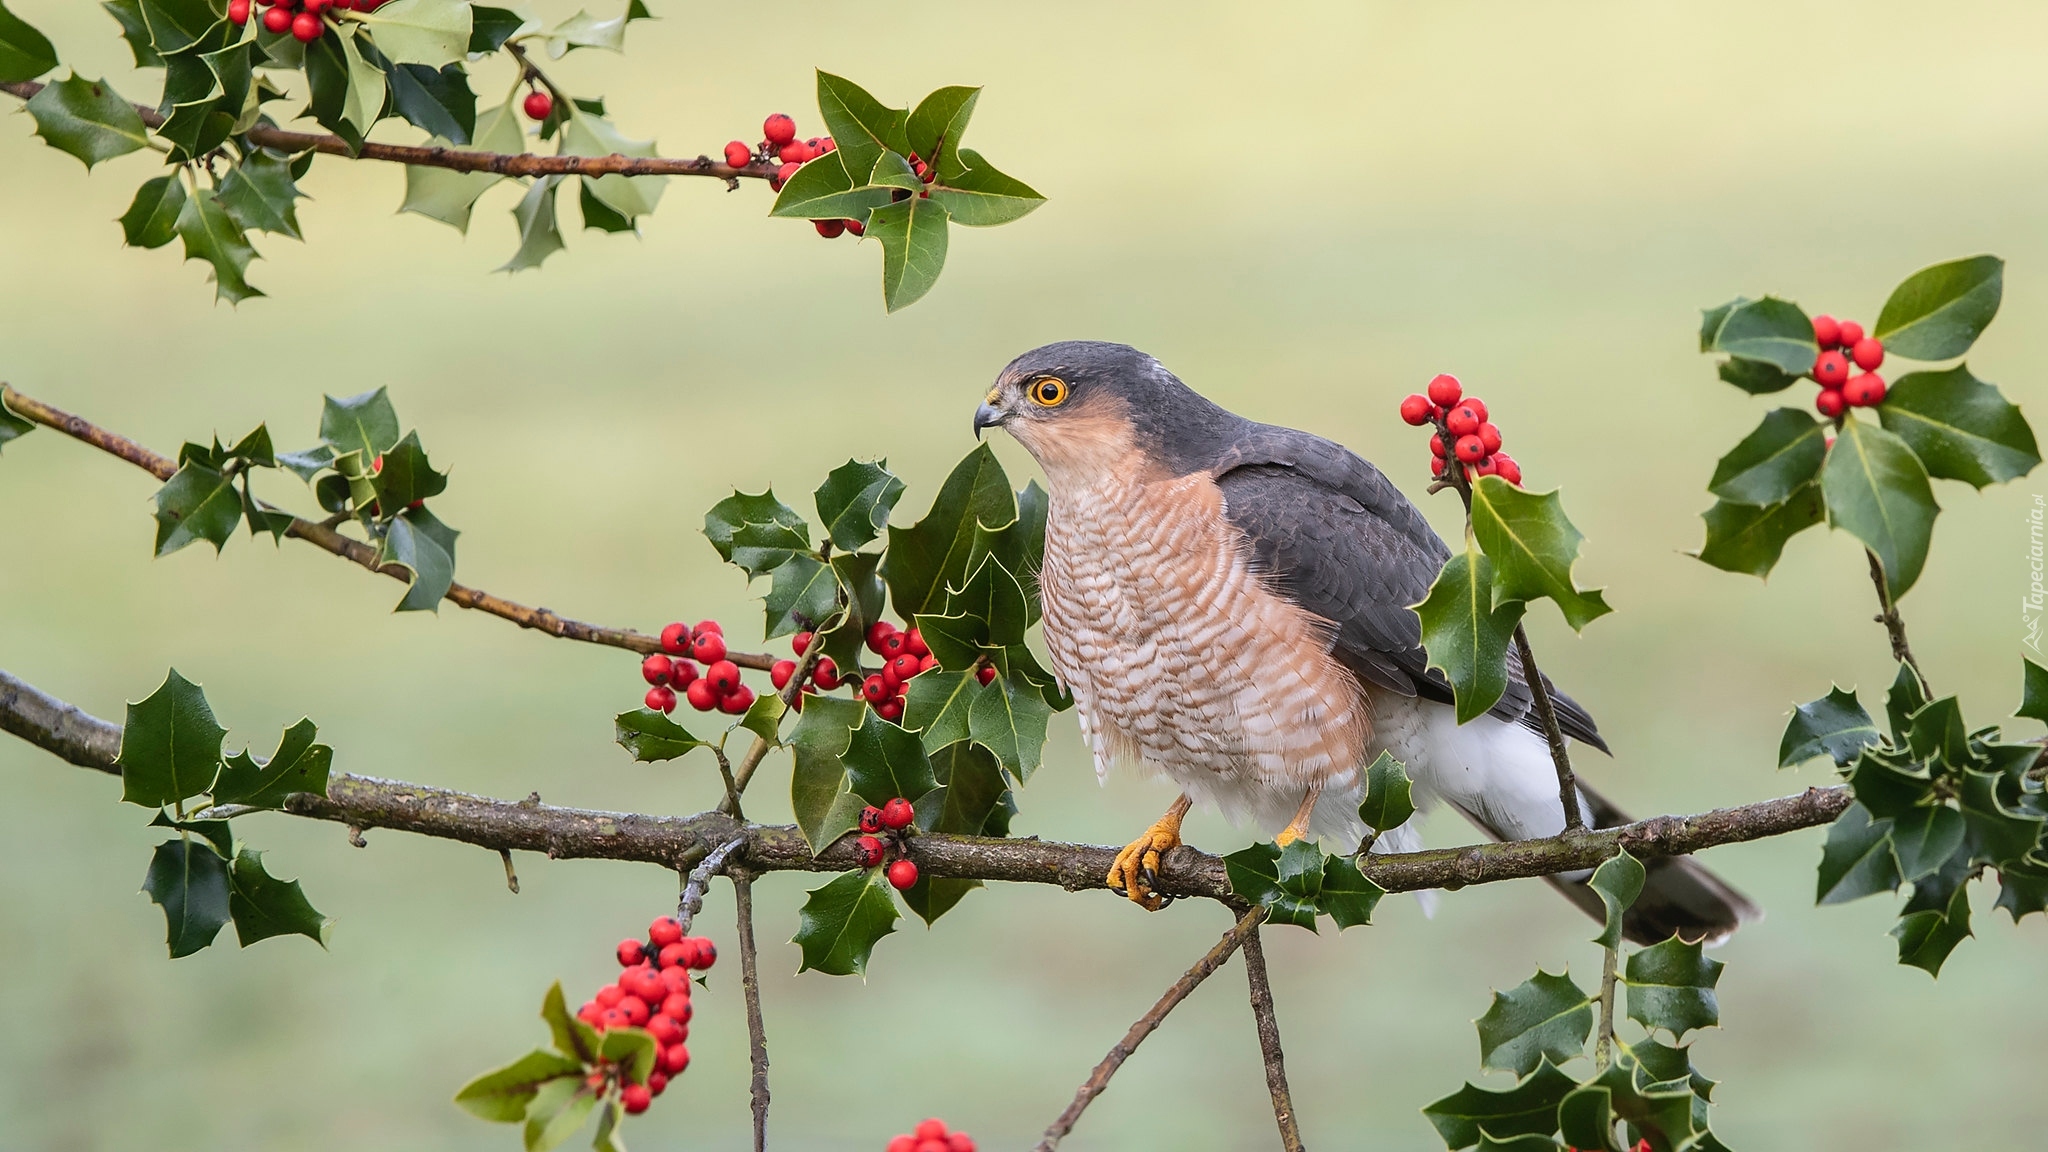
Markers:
(1680, 896)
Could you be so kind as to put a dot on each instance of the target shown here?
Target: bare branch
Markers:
(1269, 1042)
(459, 160)
(750, 984)
(691, 901)
(1546, 713)
(1888, 615)
(1098, 1080)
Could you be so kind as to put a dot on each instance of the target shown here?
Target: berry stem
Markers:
(1888, 615)
(750, 985)
(1269, 1041)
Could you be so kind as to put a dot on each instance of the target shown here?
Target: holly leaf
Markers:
(764, 718)
(804, 594)
(1961, 427)
(1533, 547)
(447, 196)
(651, 736)
(196, 503)
(298, 765)
(586, 31)
(981, 197)
(913, 236)
(1748, 539)
(190, 881)
(212, 236)
(586, 135)
(1773, 462)
(24, 52)
(1877, 492)
(407, 476)
(1009, 718)
(2034, 693)
(1834, 725)
(884, 761)
(425, 547)
(1283, 880)
(1939, 311)
(861, 128)
(13, 427)
(1466, 633)
(1347, 895)
(1388, 803)
(940, 118)
(219, 833)
(365, 93)
(85, 118)
(1905, 697)
(489, 28)
(1755, 376)
(502, 1094)
(556, 1112)
(632, 1049)
(1671, 986)
(820, 793)
(1999, 832)
(925, 557)
(1771, 330)
(264, 906)
(364, 423)
(937, 705)
(973, 800)
(1546, 1017)
(777, 531)
(176, 25)
(573, 1038)
(259, 193)
(1935, 731)
(839, 924)
(1618, 881)
(1923, 839)
(824, 190)
(429, 32)
(152, 217)
(1927, 937)
(440, 102)
(134, 29)
(1857, 860)
(1472, 1113)
(170, 745)
(854, 502)
(540, 235)
(1585, 1118)
(1887, 788)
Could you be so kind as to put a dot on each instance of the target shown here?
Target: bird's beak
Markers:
(987, 416)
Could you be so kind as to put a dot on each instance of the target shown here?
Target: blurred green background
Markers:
(1303, 210)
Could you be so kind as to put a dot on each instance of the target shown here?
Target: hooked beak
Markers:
(988, 416)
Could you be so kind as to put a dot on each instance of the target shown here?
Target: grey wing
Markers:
(1334, 535)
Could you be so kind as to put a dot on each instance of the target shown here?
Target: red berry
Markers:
(277, 20)
(783, 174)
(897, 814)
(238, 12)
(723, 676)
(665, 1030)
(1826, 332)
(932, 1129)
(707, 953)
(913, 643)
(1489, 436)
(905, 1143)
(612, 1018)
(675, 638)
(904, 666)
(677, 1006)
(1444, 391)
(890, 709)
(1416, 410)
(644, 981)
(1469, 449)
(701, 695)
(1436, 466)
(902, 874)
(611, 994)
(737, 701)
(660, 698)
(781, 674)
(636, 1098)
(1867, 353)
(674, 1059)
(675, 980)
(871, 819)
(1830, 403)
(539, 105)
(825, 144)
(681, 673)
(631, 952)
(738, 155)
(960, 1142)
(825, 674)
(1484, 467)
(635, 1008)
(779, 129)
(1865, 391)
(1477, 406)
(800, 643)
(656, 1081)
(795, 152)
(590, 1013)
(1830, 369)
(927, 664)
(937, 1144)
(707, 648)
(875, 689)
(894, 644)
(675, 955)
(306, 27)
(655, 669)
(704, 626)
(1504, 466)
(1463, 420)
(830, 229)
(856, 227)
(1851, 332)
(870, 851)
(877, 632)
(985, 673)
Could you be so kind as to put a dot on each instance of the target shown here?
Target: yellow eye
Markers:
(1050, 392)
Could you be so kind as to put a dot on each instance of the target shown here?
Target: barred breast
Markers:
(1183, 662)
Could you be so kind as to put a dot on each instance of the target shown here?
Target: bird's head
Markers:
(1081, 407)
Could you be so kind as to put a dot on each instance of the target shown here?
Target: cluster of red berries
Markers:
(904, 655)
(717, 687)
(882, 829)
(932, 1136)
(780, 144)
(299, 17)
(1462, 431)
(1842, 342)
(653, 993)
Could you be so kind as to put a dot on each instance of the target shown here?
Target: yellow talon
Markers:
(1137, 866)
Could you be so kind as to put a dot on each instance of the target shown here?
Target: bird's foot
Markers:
(1137, 867)
(1288, 835)
(1298, 827)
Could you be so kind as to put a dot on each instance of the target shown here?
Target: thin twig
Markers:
(1546, 713)
(325, 537)
(461, 160)
(674, 841)
(1269, 1042)
(691, 901)
(1603, 1047)
(1121, 1051)
(511, 876)
(731, 804)
(528, 68)
(1888, 615)
(750, 984)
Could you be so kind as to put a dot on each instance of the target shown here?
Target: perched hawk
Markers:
(1229, 603)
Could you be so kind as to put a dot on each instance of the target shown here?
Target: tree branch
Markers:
(750, 984)
(504, 164)
(1546, 713)
(1888, 615)
(681, 841)
(322, 536)
(1269, 1041)
(1098, 1080)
